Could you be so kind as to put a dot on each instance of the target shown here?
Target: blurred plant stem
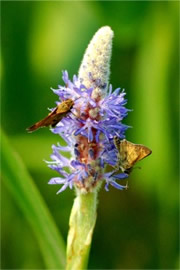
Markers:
(82, 222)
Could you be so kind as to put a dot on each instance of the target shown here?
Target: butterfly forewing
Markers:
(129, 153)
(55, 116)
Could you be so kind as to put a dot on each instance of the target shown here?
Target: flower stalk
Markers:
(94, 72)
(82, 222)
(88, 130)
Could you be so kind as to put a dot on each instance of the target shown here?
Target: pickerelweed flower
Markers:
(94, 120)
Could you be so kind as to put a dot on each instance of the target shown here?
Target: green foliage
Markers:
(33, 206)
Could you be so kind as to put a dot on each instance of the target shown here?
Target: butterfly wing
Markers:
(55, 116)
(132, 153)
(65, 106)
(45, 122)
(129, 153)
(62, 109)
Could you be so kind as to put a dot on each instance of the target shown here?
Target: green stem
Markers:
(82, 222)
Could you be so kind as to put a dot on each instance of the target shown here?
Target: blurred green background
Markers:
(137, 229)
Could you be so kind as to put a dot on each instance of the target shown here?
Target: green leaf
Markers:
(27, 196)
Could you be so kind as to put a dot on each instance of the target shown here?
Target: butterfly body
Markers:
(55, 116)
(129, 153)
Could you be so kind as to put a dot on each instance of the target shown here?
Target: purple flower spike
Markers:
(90, 126)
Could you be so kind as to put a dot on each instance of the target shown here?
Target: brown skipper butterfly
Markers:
(129, 153)
(55, 116)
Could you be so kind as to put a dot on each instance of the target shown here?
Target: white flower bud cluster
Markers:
(95, 67)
